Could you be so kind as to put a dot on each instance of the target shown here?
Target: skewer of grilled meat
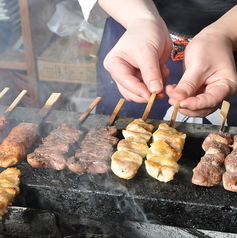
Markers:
(95, 149)
(128, 158)
(164, 152)
(208, 172)
(16, 145)
(229, 177)
(9, 188)
(21, 138)
(53, 151)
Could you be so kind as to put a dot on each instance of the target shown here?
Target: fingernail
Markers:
(155, 86)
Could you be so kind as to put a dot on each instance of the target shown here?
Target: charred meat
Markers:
(52, 153)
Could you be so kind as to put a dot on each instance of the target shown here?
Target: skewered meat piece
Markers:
(130, 151)
(16, 145)
(52, 152)
(95, 149)
(230, 175)
(4, 123)
(9, 188)
(208, 172)
(164, 152)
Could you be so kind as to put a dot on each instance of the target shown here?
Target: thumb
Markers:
(188, 85)
(151, 75)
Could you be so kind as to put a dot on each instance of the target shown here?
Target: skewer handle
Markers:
(115, 112)
(149, 106)
(49, 104)
(223, 113)
(4, 92)
(15, 103)
(174, 113)
(89, 109)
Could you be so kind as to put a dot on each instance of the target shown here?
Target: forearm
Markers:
(226, 26)
(128, 11)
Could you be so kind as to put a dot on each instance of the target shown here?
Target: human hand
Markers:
(209, 74)
(137, 63)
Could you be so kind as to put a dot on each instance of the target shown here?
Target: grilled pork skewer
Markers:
(208, 172)
(230, 175)
(20, 139)
(131, 150)
(95, 150)
(165, 150)
(96, 147)
(52, 153)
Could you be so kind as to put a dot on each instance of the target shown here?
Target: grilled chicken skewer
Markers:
(9, 188)
(21, 138)
(165, 150)
(96, 147)
(131, 150)
(208, 172)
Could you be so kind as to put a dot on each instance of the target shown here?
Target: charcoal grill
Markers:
(144, 199)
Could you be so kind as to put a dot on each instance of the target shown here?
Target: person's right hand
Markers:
(138, 61)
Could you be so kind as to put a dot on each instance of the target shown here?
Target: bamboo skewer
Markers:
(115, 112)
(4, 92)
(48, 105)
(148, 107)
(15, 103)
(89, 109)
(174, 114)
(223, 113)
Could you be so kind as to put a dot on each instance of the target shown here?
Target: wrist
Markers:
(127, 12)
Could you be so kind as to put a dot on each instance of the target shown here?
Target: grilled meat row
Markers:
(96, 148)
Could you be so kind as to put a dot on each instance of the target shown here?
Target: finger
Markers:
(151, 74)
(129, 96)
(124, 75)
(188, 84)
(213, 96)
(198, 113)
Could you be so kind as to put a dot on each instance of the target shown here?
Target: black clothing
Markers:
(188, 17)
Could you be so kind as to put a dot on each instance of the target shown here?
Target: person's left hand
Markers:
(209, 74)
